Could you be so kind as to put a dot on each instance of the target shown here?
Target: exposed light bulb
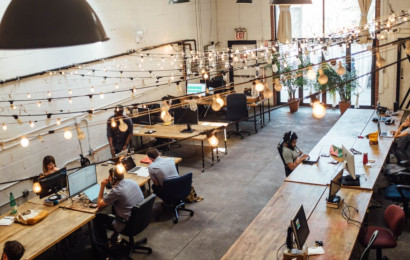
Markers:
(68, 134)
(206, 76)
(322, 77)
(92, 89)
(120, 168)
(36, 187)
(70, 92)
(12, 106)
(213, 141)
(380, 61)
(70, 100)
(101, 95)
(28, 95)
(39, 104)
(318, 109)
(215, 105)
(259, 87)
(341, 70)
(134, 90)
(311, 74)
(267, 92)
(275, 68)
(31, 123)
(49, 93)
(116, 86)
(278, 85)
(113, 123)
(4, 126)
(58, 122)
(123, 126)
(24, 141)
(172, 77)
(220, 100)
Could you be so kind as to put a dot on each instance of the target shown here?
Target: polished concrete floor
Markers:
(234, 190)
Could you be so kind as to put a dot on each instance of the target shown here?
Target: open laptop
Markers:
(130, 165)
(92, 193)
(383, 134)
(313, 159)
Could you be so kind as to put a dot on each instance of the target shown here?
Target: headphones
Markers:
(292, 137)
(112, 175)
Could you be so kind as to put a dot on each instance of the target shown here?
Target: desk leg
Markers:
(203, 156)
(269, 109)
(212, 152)
(262, 114)
(217, 154)
(254, 119)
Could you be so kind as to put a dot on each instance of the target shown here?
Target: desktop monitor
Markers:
(300, 227)
(81, 180)
(53, 183)
(348, 158)
(196, 88)
(186, 116)
(141, 116)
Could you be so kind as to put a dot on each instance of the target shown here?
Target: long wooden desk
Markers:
(174, 132)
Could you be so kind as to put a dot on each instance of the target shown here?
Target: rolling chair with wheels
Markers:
(138, 221)
(280, 150)
(173, 193)
(236, 110)
(394, 218)
(366, 252)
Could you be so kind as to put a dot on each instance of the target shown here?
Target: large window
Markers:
(319, 20)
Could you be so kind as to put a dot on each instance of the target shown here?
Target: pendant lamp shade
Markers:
(244, 1)
(29, 24)
(290, 2)
(177, 1)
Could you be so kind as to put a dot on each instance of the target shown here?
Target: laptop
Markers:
(92, 193)
(130, 165)
(312, 160)
(383, 134)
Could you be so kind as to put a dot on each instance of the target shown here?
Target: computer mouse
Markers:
(318, 243)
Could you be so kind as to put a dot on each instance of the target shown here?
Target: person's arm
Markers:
(152, 176)
(400, 133)
(127, 141)
(293, 165)
(129, 132)
(109, 137)
(112, 150)
(100, 202)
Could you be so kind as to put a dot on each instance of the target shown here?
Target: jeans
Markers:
(102, 222)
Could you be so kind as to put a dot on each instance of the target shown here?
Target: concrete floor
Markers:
(235, 190)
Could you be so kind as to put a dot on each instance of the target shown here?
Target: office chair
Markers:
(237, 109)
(366, 252)
(280, 150)
(174, 191)
(138, 221)
(400, 192)
(387, 237)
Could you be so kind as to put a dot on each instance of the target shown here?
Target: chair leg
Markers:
(133, 246)
(379, 254)
(181, 206)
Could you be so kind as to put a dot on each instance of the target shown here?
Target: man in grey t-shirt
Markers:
(124, 195)
(160, 169)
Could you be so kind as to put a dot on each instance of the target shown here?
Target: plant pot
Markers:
(293, 104)
(343, 106)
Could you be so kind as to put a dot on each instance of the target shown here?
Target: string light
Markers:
(92, 89)
(278, 86)
(318, 109)
(70, 92)
(12, 106)
(213, 141)
(24, 141)
(4, 126)
(380, 61)
(101, 95)
(68, 134)
(113, 123)
(58, 122)
(49, 93)
(28, 95)
(39, 104)
(116, 86)
(322, 77)
(341, 70)
(70, 100)
(259, 87)
(311, 74)
(123, 126)
(31, 123)
(120, 168)
(220, 100)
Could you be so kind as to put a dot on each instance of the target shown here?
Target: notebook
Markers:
(92, 193)
(142, 171)
(146, 160)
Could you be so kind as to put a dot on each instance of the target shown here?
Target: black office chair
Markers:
(366, 252)
(174, 191)
(280, 150)
(236, 110)
(138, 221)
(400, 192)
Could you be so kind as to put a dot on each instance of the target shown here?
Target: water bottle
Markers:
(13, 204)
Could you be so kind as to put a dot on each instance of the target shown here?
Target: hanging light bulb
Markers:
(341, 70)
(123, 126)
(206, 76)
(213, 141)
(36, 187)
(215, 105)
(39, 104)
(322, 77)
(24, 141)
(80, 133)
(49, 93)
(70, 100)
(101, 95)
(318, 109)
(120, 168)
(70, 92)
(278, 85)
(259, 87)
(113, 123)
(67, 134)
(275, 68)
(40, 139)
(58, 122)
(116, 86)
(92, 89)
(220, 100)
(380, 61)
(28, 95)
(311, 74)
(12, 106)
(267, 92)
(134, 90)
(4, 126)
(31, 123)
(172, 77)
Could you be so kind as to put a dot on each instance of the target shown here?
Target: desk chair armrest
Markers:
(404, 163)
(401, 189)
(401, 174)
(118, 218)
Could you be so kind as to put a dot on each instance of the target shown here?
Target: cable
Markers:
(347, 215)
(277, 252)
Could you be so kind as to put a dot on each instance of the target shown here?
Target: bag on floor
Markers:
(193, 197)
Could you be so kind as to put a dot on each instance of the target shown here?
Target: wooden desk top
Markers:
(267, 232)
(328, 224)
(39, 237)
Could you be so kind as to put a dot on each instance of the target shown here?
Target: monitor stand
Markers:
(188, 129)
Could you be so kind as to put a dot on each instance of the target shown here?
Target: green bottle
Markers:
(13, 204)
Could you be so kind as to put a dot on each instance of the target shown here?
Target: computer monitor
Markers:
(186, 116)
(195, 88)
(348, 158)
(81, 180)
(141, 116)
(300, 227)
(53, 183)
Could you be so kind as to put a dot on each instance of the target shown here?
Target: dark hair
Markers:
(286, 136)
(115, 175)
(48, 159)
(152, 153)
(14, 250)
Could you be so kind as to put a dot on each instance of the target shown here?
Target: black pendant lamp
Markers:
(290, 2)
(29, 24)
(171, 2)
(244, 1)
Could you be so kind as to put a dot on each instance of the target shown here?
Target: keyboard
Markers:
(349, 181)
(134, 170)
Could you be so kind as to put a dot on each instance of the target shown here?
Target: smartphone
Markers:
(325, 155)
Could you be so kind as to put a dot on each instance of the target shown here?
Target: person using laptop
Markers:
(403, 130)
(124, 195)
(292, 155)
(49, 166)
(119, 131)
(13, 250)
(160, 169)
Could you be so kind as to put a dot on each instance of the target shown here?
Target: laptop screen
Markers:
(92, 192)
(128, 163)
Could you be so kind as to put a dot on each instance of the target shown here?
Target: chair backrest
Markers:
(140, 217)
(394, 218)
(236, 107)
(366, 251)
(280, 150)
(176, 189)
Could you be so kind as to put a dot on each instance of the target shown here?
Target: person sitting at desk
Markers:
(49, 166)
(292, 155)
(403, 130)
(160, 169)
(13, 250)
(124, 195)
(118, 138)
(401, 145)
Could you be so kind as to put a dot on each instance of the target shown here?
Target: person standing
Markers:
(119, 131)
